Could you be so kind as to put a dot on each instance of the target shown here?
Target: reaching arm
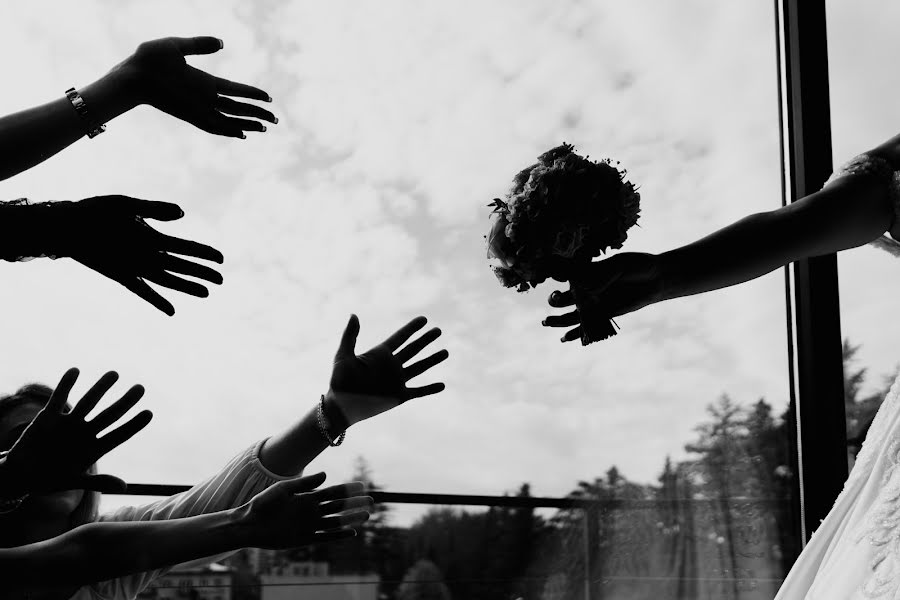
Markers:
(848, 212)
(361, 387)
(31, 136)
(286, 515)
(156, 74)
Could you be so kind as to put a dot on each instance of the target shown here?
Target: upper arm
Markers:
(847, 213)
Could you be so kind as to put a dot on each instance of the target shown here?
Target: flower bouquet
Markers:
(560, 213)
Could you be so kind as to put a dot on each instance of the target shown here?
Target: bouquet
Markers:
(560, 213)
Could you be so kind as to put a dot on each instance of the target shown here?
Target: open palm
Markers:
(368, 384)
(56, 449)
(162, 78)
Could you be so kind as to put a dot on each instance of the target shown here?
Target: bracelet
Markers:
(92, 128)
(323, 425)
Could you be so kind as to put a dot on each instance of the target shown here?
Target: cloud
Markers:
(398, 124)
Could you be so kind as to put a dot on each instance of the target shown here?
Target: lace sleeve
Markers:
(29, 230)
(877, 167)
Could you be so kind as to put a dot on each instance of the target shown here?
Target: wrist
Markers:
(112, 95)
(239, 522)
(666, 277)
(12, 486)
(336, 416)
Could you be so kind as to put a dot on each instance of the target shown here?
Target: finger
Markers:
(566, 320)
(114, 411)
(61, 393)
(90, 399)
(152, 209)
(345, 504)
(235, 124)
(307, 483)
(139, 287)
(571, 335)
(416, 345)
(186, 267)
(212, 121)
(198, 45)
(241, 90)
(174, 282)
(560, 299)
(347, 347)
(425, 390)
(323, 537)
(242, 109)
(105, 484)
(120, 435)
(346, 520)
(401, 335)
(179, 265)
(335, 492)
(417, 368)
(191, 248)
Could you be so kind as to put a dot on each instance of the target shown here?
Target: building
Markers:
(207, 582)
(312, 581)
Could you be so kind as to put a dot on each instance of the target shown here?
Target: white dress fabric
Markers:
(241, 479)
(855, 552)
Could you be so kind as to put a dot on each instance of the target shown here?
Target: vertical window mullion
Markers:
(817, 393)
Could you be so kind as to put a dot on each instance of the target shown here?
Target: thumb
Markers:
(153, 209)
(306, 483)
(348, 340)
(106, 484)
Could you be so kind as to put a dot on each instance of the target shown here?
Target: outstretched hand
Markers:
(159, 75)
(109, 235)
(368, 384)
(606, 289)
(56, 449)
(290, 513)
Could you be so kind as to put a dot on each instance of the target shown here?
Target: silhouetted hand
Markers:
(158, 75)
(606, 289)
(290, 514)
(109, 235)
(372, 383)
(56, 449)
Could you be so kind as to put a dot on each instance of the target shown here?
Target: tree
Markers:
(423, 581)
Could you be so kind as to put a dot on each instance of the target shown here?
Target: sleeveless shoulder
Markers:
(873, 166)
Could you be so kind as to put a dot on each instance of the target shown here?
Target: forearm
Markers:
(31, 136)
(291, 451)
(102, 551)
(848, 213)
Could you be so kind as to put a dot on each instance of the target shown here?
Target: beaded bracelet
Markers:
(323, 425)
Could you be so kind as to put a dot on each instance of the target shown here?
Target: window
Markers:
(399, 123)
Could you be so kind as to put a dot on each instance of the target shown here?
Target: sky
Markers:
(398, 122)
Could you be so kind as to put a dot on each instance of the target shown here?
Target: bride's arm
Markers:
(849, 212)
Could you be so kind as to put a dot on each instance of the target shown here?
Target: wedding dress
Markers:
(855, 552)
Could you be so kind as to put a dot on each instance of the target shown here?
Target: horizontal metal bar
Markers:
(153, 489)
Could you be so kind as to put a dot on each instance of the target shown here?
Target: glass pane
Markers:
(398, 123)
(862, 117)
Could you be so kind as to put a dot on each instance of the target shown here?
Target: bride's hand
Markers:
(158, 75)
(616, 286)
(371, 383)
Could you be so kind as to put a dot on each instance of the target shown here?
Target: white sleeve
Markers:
(241, 479)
